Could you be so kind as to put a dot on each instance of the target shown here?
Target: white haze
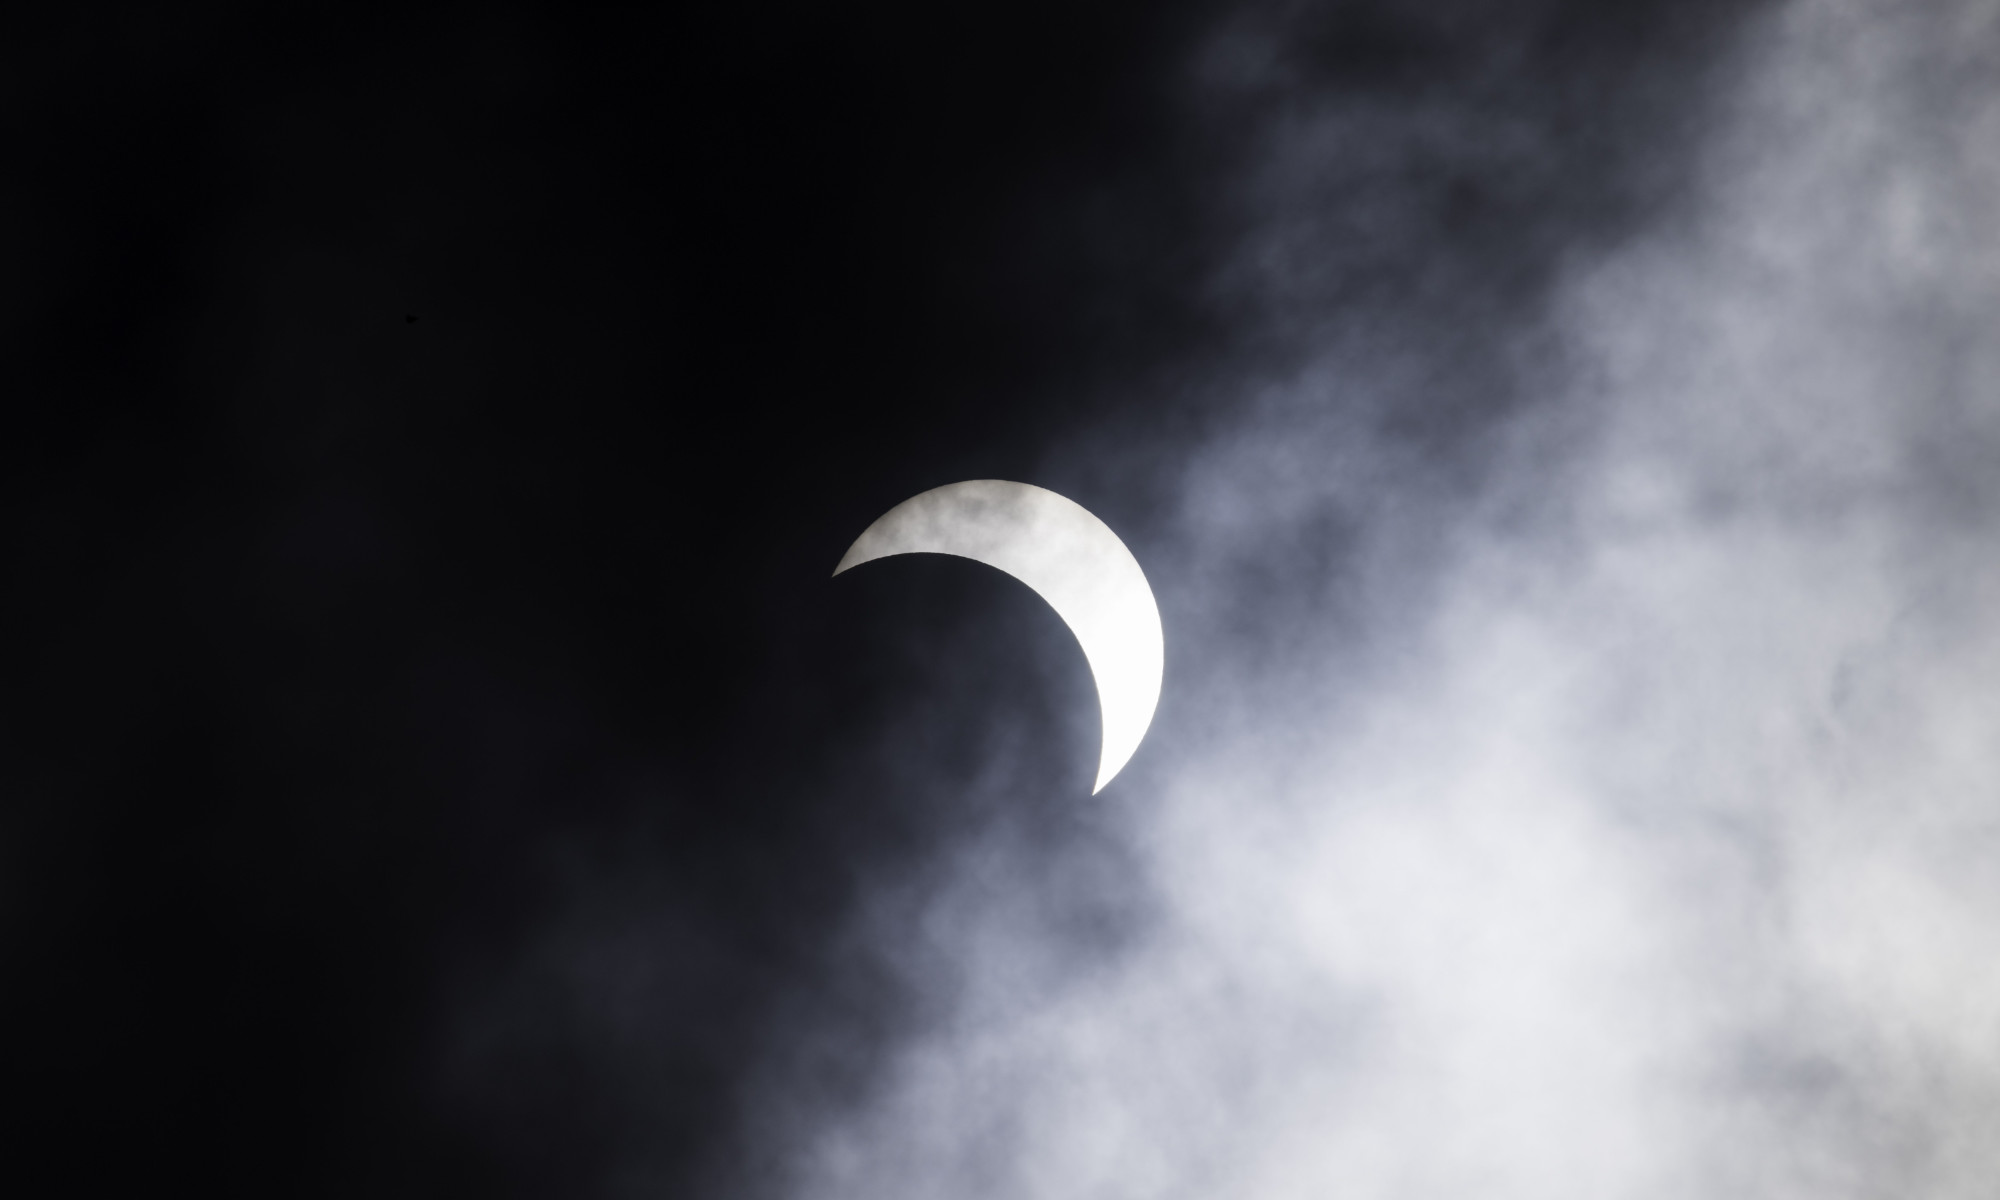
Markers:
(1629, 829)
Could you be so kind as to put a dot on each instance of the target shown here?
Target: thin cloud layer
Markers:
(1607, 810)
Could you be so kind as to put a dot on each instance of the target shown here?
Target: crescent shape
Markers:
(1072, 560)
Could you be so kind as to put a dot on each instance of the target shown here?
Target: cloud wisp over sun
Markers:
(1605, 806)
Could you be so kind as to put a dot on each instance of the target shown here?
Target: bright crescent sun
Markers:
(1072, 560)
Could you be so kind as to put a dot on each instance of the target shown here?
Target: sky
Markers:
(1561, 438)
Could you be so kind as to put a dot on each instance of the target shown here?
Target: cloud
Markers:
(1607, 809)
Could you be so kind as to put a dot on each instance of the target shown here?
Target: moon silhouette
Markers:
(1072, 560)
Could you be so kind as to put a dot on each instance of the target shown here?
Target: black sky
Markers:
(439, 762)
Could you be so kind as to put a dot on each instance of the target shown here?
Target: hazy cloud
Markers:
(1607, 810)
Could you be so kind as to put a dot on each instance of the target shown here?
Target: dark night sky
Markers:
(356, 637)
(440, 763)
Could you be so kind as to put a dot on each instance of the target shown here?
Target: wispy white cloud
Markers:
(1629, 826)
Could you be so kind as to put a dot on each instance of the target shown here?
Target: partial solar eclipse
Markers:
(1072, 560)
